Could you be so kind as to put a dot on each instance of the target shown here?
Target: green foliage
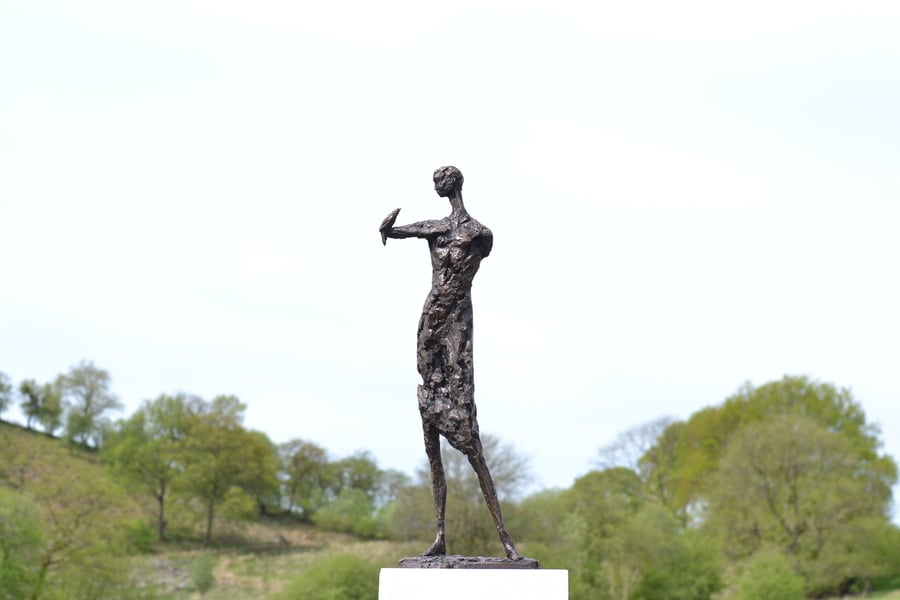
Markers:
(390, 483)
(143, 450)
(351, 512)
(138, 535)
(183, 444)
(5, 392)
(769, 576)
(264, 488)
(685, 458)
(202, 569)
(410, 517)
(623, 545)
(85, 389)
(792, 463)
(307, 476)
(355, 482)
(21, 543)
(42, 403)
(342, 577)
(806, 490)
(886, 584)
(540, 517)
(359, 472)
(343, 495)
(786, 479)
(82, 517)
(218, 454)
(658, 466)
(676, 563)
(238, 505)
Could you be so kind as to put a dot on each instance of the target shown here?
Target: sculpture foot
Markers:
(512, 553)
(438, 548)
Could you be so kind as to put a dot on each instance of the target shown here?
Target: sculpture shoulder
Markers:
(467, 234)
(482, 237)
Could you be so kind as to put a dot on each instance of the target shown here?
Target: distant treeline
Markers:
(784, 479)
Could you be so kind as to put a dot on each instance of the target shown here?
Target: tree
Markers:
(676, 562)
(657, 466)
(307, 476)
(85, 389)
(5, 392)
(391, 483)
(262, 484)
(143, 449)
(220, 457)
(626, 546)
(80, 551)
(358, 471)
(687, 455)
(649, 450)
(598, 504)
(82, 515)
(539, 520)
(631, 446)
(355, 484)
(807, 490)
(41, 403)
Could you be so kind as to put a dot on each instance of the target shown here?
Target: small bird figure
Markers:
(387, 224)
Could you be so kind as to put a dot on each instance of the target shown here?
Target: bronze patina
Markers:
(457, 243)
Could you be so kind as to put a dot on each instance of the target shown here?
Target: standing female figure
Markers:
(457, 243)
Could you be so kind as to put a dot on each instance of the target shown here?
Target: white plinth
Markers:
(473, 584)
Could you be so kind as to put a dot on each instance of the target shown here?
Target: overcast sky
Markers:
(684, 196)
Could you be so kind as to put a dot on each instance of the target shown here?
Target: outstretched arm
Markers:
(422, 229)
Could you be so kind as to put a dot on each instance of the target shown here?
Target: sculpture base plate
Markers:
(473, 584)
(454, 561)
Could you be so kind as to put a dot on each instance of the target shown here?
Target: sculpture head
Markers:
(447, 180)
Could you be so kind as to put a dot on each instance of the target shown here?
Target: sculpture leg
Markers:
(476, 459)
(439, 488)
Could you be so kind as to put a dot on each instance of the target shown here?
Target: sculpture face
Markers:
(444, 185)
(447, 181)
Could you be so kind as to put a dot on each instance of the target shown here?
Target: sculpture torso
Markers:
(444, 352)
(456, 254)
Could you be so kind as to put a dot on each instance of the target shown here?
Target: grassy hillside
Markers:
(258, 561)
(92, 528)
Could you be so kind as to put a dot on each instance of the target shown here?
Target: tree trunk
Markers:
(161, 517)
(41, 578)
(210, 514)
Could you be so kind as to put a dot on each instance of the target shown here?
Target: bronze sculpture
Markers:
(457, 243)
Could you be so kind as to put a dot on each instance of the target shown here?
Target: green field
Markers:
(264, 557)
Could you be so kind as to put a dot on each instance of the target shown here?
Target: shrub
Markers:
(769, 576)
(20, 544)
(139, 535)
(350, 512)
(202, 572)
(341, 577)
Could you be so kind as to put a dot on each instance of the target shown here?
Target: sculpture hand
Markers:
(387, 224)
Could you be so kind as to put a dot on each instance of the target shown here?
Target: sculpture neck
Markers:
(458, 209)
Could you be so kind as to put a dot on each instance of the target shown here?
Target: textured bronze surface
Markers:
(467, 562)
(457, 243)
